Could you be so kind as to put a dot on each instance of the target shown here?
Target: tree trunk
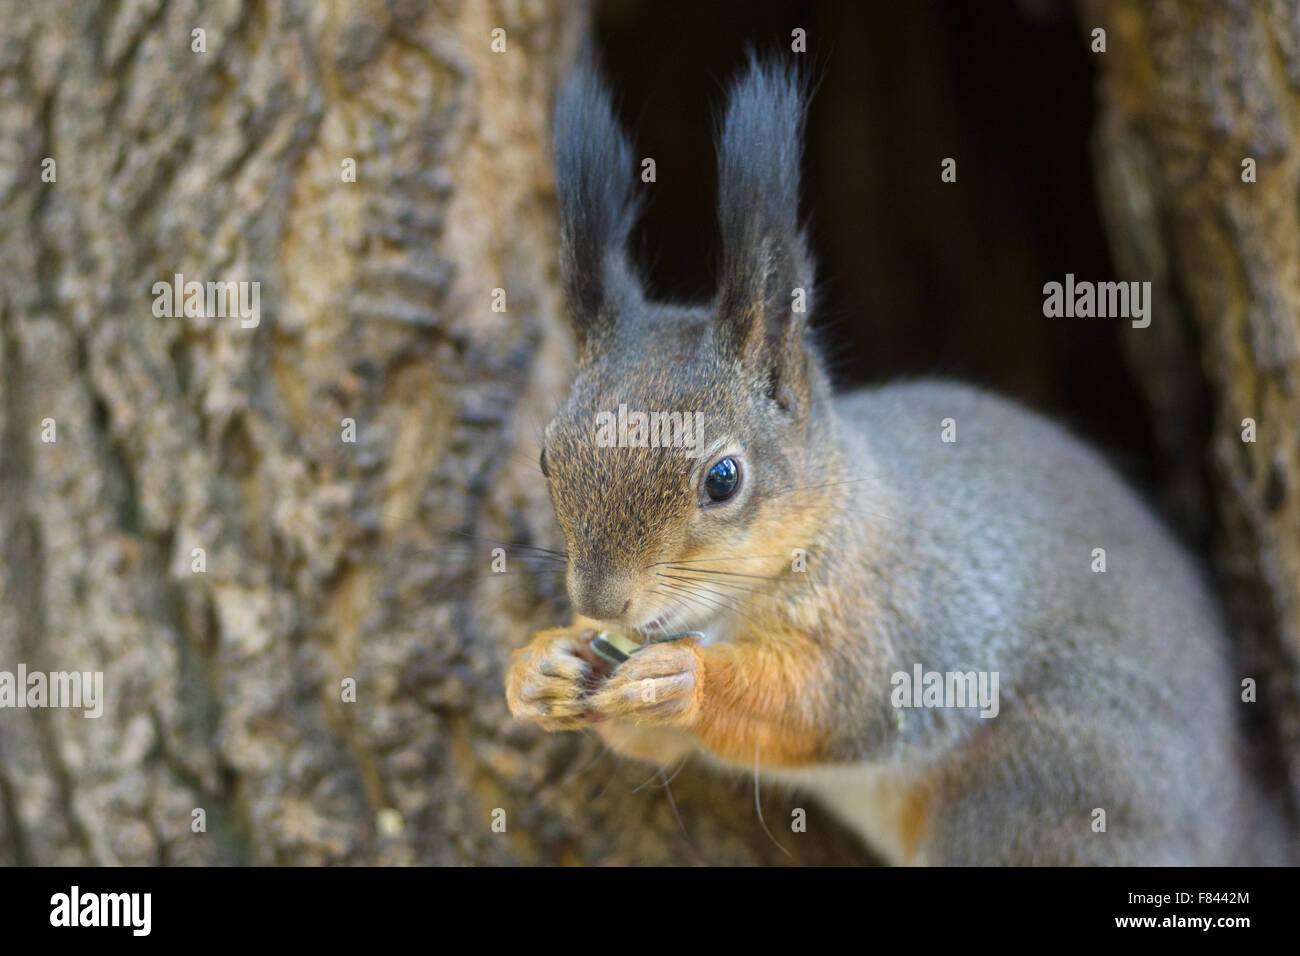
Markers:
(1190, 91)
(322, 559)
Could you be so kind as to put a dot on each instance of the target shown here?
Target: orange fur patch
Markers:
(759, 700)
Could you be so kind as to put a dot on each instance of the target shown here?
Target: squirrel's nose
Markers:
(600, 594)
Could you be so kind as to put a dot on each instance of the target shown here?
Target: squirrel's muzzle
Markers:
(600, 592)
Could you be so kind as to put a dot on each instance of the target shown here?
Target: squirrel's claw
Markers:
(549, 678)
(657, 685)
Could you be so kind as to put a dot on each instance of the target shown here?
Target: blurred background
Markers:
(294, 615)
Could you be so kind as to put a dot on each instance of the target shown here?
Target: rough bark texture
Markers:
(1189, 91)
(324, 559)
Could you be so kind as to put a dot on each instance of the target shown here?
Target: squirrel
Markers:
(1115, 738)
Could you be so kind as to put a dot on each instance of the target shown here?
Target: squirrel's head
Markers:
(689, 433)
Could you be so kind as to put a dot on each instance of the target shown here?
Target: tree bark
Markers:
(322, 559)
(1190, 90)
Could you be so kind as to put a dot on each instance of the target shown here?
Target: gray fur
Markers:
(1117, 689)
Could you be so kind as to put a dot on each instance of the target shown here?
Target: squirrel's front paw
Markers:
(657, 685)
(550, 677)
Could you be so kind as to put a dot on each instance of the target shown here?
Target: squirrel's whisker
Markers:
(695, 599)
(721, 605)
(672, 805)
(681, 765)
(729, 574)
(470, 552)
(511, 574)
(675, 608)
(517, 545)
(725, 584)
(749, 557)
(758, 806)
(601, 752)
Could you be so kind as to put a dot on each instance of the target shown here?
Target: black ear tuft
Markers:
(594, 176)
(764, 254)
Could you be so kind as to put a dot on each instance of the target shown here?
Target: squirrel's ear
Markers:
(594, 178)
(765, 290)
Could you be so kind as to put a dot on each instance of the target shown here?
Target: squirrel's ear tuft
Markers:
(765, 290)
(594, 178)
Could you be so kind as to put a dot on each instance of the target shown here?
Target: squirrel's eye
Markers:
(542, 462)
(723, 477)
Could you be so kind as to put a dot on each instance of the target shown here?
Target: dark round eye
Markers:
(723, 477)
(542, 462)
